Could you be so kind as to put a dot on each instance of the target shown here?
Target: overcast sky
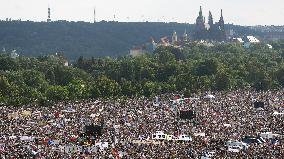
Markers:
(242, 12)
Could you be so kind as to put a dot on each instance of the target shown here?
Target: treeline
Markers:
(44, 80)
(76, 39)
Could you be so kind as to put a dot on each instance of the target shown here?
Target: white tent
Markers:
(26, 138)
(277, 113)
(159, 135)
(199, 134)
(268, 135)
(184, 137)
(209, 96)
(69, 110)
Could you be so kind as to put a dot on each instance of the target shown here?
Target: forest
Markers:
(75, 39)
(44, 80)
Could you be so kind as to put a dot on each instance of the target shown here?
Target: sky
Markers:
(240, 12)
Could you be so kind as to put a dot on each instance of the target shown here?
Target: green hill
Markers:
(75, 39)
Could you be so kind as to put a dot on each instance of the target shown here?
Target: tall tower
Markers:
(200, 20)
(221, 21)
(210, 19)
(48, 14)
(200, 12)
(174, 37)
(222, 33)
(200, 26)
(185, 36)
(94, 15)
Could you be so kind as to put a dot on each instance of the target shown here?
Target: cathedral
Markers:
(209, 31)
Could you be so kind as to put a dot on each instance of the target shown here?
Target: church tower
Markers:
(200, 19)
(222, 33)
(210, 19)
(221, 21)
(200, 30)
(174, 37)
(185, 36)
(48, 14)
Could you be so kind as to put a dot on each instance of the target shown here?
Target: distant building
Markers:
(174, 38)
(237, 40)
(175, 41)
(248, 40)
(185, 37)
(66, 63)
(230, 34)
(154, 44)
(137, 51)
(209, 31)
(61, 57)
(269, 46)
(14, 54)
(252, 39)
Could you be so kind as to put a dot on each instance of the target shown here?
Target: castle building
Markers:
(174, 38)
(185, 36)
(209, 31)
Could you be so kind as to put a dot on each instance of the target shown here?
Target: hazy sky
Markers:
(243, 12)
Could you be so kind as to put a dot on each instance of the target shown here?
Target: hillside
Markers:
(76, 39)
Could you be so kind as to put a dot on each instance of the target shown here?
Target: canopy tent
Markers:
(69, 110)
(209, 96)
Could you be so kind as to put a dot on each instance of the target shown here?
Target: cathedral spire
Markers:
(221, 18)
(200, 11)
(210, 19)
(221, 22)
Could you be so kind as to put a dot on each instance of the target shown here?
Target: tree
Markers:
(4, 85)
(34, 79)
(262, 83)
(57, 93)
(207, 68)
(128, 88)
(107, 87)
(280, 76)
(77, 90)
(150, 88)
(164, 56)
(222, 81)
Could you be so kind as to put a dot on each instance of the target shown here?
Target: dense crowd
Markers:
(53, 132)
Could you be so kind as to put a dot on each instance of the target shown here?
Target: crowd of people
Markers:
(127, 125)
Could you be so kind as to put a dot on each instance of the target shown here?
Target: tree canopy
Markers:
(45, 79)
